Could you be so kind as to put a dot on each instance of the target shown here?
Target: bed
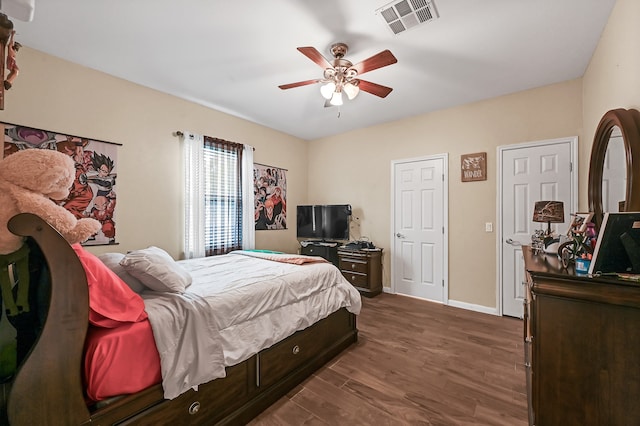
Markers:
(282, 348)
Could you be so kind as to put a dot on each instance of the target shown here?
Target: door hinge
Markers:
(443, 177)
(443, 283)
(443, 230)
(571, 166)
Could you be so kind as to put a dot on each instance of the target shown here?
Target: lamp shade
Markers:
(351, 89)
(548, 211)
(327, 90)
(336, 98)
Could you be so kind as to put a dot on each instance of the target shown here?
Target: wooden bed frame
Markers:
(47, 389)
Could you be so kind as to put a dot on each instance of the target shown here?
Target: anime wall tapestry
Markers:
(93, 193)
(270, 197)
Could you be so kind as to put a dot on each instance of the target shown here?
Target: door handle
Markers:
(513, 242)
(399, 235)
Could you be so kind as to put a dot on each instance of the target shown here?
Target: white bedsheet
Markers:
(236, 306)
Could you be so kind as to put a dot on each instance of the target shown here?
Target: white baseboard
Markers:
(472, 307)
(457, 304)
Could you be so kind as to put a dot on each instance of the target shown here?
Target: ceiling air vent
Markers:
(406, 14)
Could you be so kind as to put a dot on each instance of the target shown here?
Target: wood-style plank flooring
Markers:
(416, 362)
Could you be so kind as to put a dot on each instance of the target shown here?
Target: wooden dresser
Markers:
(582, 346)
(363, 269)
(328, 251)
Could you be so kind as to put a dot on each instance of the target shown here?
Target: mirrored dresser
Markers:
(582, 346)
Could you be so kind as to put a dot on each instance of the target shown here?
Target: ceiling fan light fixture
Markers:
(351, 89)
(328, 89)
(336, 99)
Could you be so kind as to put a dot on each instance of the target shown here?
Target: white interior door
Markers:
(529, 173)
(419, 224)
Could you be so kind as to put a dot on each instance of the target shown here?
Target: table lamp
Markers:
(550, 212)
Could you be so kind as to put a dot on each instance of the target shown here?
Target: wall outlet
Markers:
(488, 227)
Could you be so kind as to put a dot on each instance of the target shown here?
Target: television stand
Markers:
(325, 249)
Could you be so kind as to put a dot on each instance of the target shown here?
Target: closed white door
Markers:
(529, 173)
(419, 248)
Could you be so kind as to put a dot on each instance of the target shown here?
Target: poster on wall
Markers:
(270, 197)
(93, 193)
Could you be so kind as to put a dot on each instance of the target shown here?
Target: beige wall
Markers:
(355, 168)
(612, 79)
(56, 95)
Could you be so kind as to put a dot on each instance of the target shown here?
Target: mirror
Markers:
(614, 174)
(615, 155)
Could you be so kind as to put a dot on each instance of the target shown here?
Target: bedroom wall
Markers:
(363, 160)
(56, 95)
(612, 79)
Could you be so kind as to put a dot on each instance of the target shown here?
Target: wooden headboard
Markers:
(49, 381)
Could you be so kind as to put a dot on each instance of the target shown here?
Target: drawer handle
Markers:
(353, 277)
(296, 350)
(194, 408)
(353, 266)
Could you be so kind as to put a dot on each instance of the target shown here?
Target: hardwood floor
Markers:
(416, 362)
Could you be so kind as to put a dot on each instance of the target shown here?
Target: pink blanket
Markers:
(295, 259)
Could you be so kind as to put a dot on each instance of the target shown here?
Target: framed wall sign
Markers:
(473, 166)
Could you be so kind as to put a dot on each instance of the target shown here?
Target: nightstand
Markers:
(363, 269)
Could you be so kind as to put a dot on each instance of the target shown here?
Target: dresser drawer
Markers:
(313, 251)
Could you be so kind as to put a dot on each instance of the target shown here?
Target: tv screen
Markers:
(618, 246)
(309, 222)
(335, 222)
(326, 222)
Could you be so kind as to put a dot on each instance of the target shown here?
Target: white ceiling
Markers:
(232, 55)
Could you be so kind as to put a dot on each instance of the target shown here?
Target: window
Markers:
(218, 194)
(222, 162)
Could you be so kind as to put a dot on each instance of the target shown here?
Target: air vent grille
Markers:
(402, 15)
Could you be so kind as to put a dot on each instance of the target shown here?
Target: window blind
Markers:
(222, 196)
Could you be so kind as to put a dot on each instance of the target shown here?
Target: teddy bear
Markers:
(30, 180)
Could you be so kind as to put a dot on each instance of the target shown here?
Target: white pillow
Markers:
(156, 269)
(112, 261)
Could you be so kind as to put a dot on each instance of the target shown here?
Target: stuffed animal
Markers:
(29, 180)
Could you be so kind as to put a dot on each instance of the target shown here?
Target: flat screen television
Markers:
(325, 222)
(618, 245)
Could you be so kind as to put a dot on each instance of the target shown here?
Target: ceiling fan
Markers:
(341, 76)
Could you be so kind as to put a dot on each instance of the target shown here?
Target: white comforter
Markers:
(236, 306)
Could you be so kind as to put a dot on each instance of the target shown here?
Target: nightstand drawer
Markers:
(357, 279)
(353, 264)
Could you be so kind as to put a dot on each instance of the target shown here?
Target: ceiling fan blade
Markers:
(374, 89)
(379, 60)
(299, 83)
(313, 54)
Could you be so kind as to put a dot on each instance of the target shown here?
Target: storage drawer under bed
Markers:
(204, 406)
(296, 350)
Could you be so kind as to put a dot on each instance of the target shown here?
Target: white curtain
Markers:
(194, 232)
(248, 208)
